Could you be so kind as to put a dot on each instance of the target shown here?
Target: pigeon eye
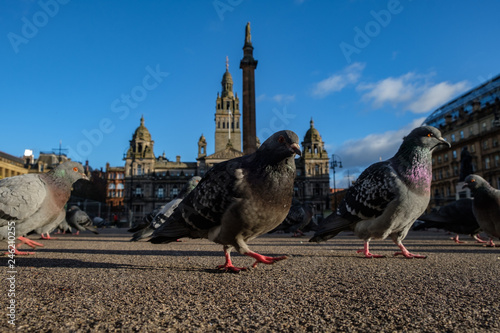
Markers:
(430, 135)
(472, 180)
(75, 169)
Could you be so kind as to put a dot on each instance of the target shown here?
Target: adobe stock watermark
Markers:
(363, 37)
(121, 106)
(30, 28)
(281, 118)
(222, 6)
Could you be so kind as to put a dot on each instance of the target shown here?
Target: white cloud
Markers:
(437, 95)
(337, 82)
(282, 98)
(279, 98)
(360, 153)
(411, 92)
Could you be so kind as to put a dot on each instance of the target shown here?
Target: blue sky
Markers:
(367, 72)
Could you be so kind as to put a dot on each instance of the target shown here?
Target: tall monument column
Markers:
(248, 65)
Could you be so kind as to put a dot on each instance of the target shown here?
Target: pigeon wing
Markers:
(204, 207)
(371, 193)
(20, 197)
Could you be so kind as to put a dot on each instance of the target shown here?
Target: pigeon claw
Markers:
(259, 258)
(29, 242)
(370, 255)
(410, 255)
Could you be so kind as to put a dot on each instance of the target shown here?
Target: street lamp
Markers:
(335, 162)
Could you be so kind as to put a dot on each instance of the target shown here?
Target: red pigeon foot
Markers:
(29, 242)
(456, 240)
(47, 237)
(263, 259)
(407, 254)
(366, 252)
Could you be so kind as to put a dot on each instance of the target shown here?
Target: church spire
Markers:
(227, 82)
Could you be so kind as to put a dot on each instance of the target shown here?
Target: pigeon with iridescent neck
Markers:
(388, 196)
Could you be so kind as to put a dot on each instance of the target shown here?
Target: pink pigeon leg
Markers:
(263, 259)
(490, 243)
(228, 266)
(47, 237)
(77, 232)
(13, 250)
(366, 252)
(478, 239)
(407, 253)
(456, 240)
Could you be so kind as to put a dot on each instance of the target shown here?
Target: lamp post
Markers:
(334, 163)
(131, 199)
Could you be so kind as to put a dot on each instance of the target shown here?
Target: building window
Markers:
(454, 153)
(160, 193)
(487, 163)
(174, 192)
(453, 138)
(462, 135)
(485, 144)
(138, 191)
(471, 131)
(446, 157)
(484, 127)
(472, 148)
(497, 161)
(120, 187)
(111, 186)
(439, 159)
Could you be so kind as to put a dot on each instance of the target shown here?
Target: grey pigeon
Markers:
(79, 220)
(486, 205)
(239, 200)
(388, 196)
(298, 218)
(456, 217)
(33, 201)
(154, 220)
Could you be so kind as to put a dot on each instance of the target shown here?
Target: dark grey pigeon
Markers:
(154, 220)
(388, 196)
(486, 205)
(456, 217)
(79, 220)
(33, 201)
(239, 200)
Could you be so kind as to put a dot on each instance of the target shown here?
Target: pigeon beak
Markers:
(466, 185)
(84, 176)
(295, 148)
(442, 141)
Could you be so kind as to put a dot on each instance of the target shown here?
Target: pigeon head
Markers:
(427, 137)
(282, 144)
(473, 182)
(70, 171)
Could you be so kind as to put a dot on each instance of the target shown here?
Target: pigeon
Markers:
(486, 205)
(388, 196)
(79, 220)
(32, 201)
(154, 220)
(239, 200)
(297, 219)
(456, 217)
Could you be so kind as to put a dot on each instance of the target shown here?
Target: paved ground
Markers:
(103, 282)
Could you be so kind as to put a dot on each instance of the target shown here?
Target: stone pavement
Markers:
(104, 283)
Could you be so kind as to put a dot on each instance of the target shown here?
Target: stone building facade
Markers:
(471, 123)
(11, 166)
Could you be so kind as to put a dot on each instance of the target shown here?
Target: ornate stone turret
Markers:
(314, 154)
(202, 146)
(140, 156)
(227, 115)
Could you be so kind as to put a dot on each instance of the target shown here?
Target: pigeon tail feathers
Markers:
(331, 227)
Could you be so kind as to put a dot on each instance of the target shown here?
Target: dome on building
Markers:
(142, 133)
(312, 134)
